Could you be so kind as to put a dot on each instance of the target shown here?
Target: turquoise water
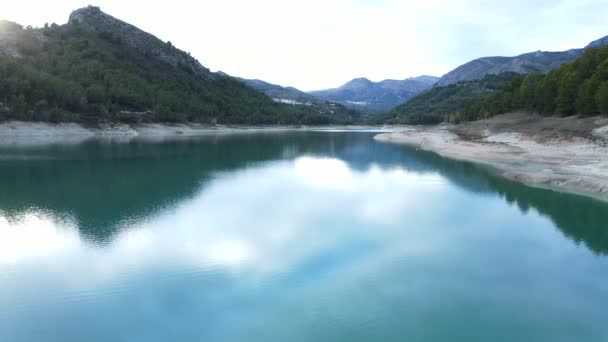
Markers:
(295, 236)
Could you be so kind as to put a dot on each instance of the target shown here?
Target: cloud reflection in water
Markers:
(311, 239)
(264, 218)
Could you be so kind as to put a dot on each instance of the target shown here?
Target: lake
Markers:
(289, 236)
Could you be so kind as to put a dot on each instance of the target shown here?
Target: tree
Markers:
(19, 106)
(585, 101)
(602, 97)
(566, 94)
(548, 92)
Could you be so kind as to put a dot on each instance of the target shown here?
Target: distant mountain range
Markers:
(277, 92)
(383, 96)
(377, 96)
(296, 97)
(538, 62)
(360, 94)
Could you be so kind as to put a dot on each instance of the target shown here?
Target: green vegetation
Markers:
(449, 103)
(66, 73)
(579, 87)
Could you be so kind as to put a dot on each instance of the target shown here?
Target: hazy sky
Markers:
(315, 44)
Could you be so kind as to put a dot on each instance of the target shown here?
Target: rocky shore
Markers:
(566, 154)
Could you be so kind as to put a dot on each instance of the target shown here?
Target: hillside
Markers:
(441, 103)
(580, 87)
(98, 68)
(491, 94)
(377, 96)
(533, 62)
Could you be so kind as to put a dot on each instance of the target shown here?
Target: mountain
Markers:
(598, 43)
(295, 97)
(580, 88)
(485, 86)
(93, 20)
(533, 62)
(432, 106)
(99, 68)
(275, 91)
(377, 96)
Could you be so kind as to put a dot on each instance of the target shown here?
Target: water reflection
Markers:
(102, 185)
(260, 216)
(321, 236)
(579, 218)
(34, 234)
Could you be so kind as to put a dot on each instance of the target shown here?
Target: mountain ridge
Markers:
(376, 96)
(494, 93)
(537, 62)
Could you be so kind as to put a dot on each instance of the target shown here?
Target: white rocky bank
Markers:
(575, 165)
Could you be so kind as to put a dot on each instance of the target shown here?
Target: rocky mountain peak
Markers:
(83, 14)
(93, 19)
(360, 82)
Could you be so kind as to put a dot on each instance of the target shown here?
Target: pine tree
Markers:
(601, 97)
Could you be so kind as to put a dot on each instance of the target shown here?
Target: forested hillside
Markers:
(441, 103)
(97, 67)
(580, 87)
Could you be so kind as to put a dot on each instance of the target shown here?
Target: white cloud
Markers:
(318, 43)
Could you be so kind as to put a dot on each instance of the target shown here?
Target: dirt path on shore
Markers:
(567, 154)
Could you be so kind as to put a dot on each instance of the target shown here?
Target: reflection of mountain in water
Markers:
(103, 184)
(579, 218)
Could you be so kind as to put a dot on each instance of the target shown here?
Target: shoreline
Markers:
(563, 162)
(567, 161)
(21, 133)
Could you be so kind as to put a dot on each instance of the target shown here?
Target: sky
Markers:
(319, 44)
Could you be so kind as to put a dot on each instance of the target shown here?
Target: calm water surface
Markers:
(301, 236)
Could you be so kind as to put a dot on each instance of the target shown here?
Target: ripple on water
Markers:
(267, 240)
